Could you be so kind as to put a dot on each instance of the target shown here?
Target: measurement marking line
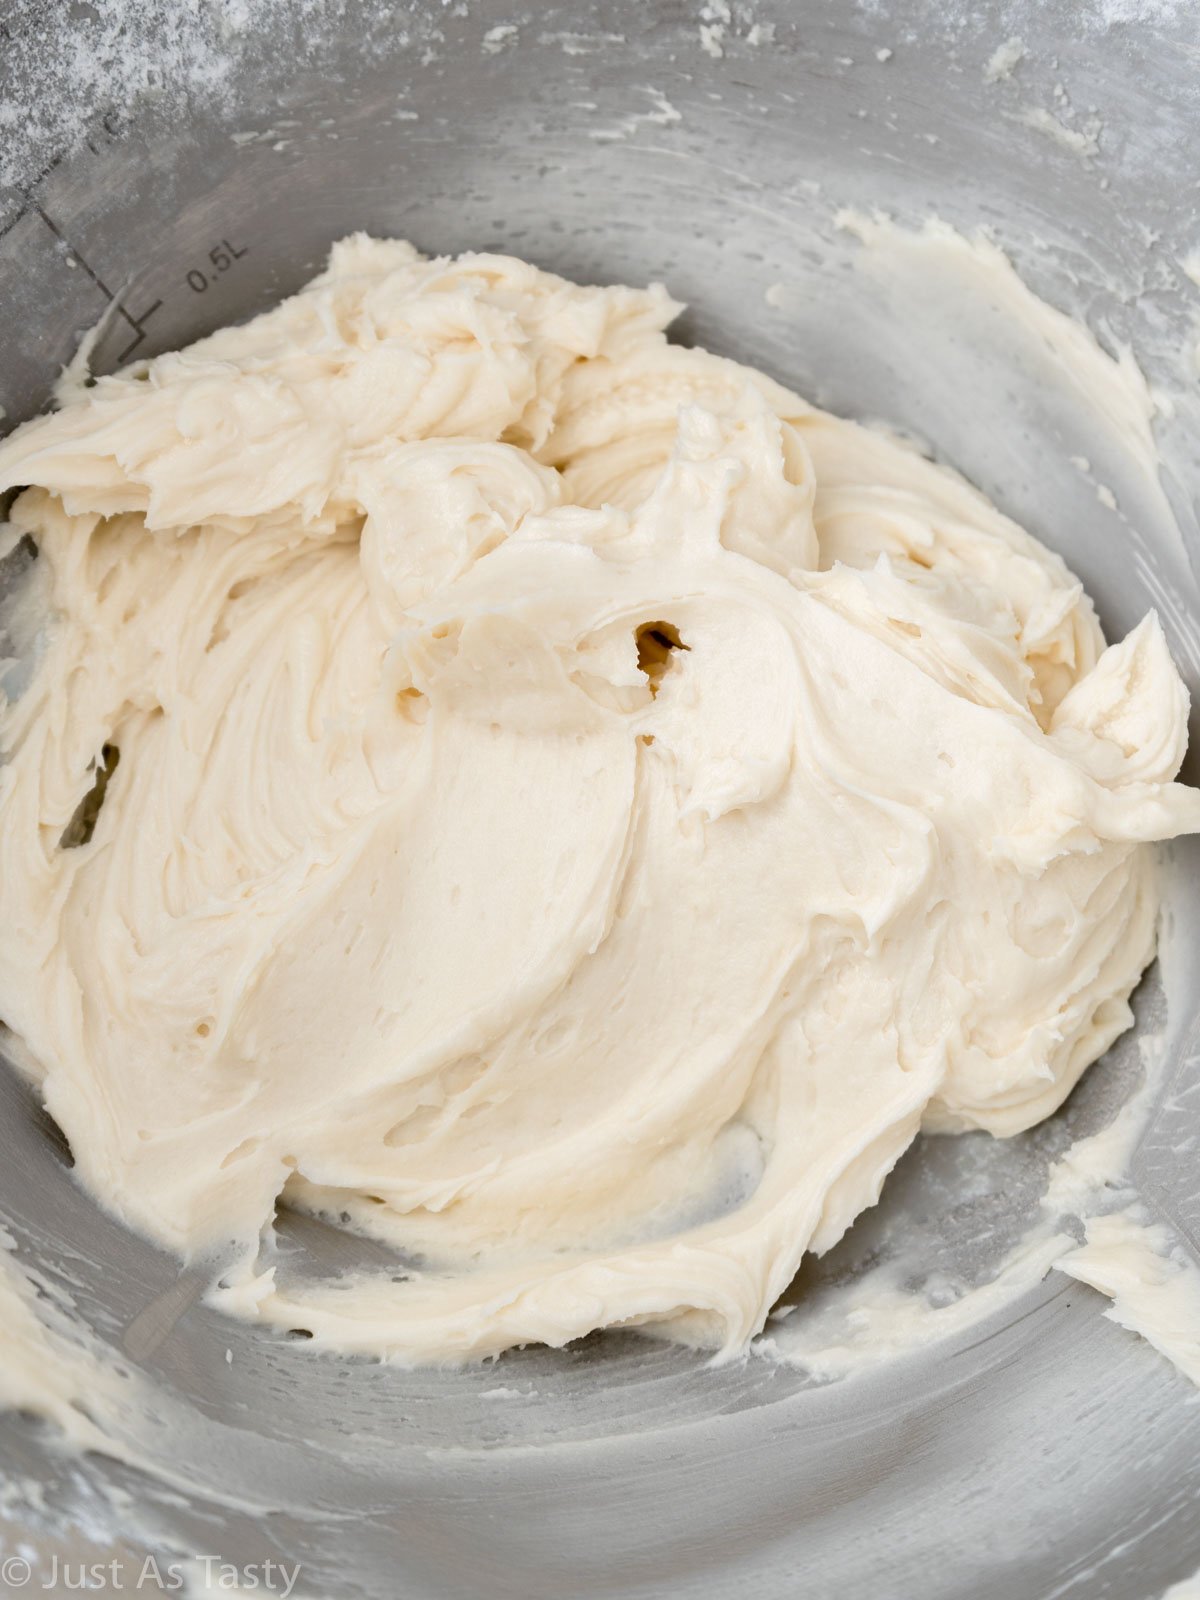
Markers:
(60, 235)
(27, 189)
(135, 322)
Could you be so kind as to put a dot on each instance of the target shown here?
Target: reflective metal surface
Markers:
(1046, 1453)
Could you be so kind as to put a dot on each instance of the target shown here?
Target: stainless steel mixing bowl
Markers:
(173, 172)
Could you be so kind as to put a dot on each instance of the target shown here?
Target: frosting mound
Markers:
(550, 799)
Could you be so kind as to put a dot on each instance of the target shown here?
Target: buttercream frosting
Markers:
(552, 800)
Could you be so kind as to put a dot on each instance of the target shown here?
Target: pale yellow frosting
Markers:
(579, 809)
